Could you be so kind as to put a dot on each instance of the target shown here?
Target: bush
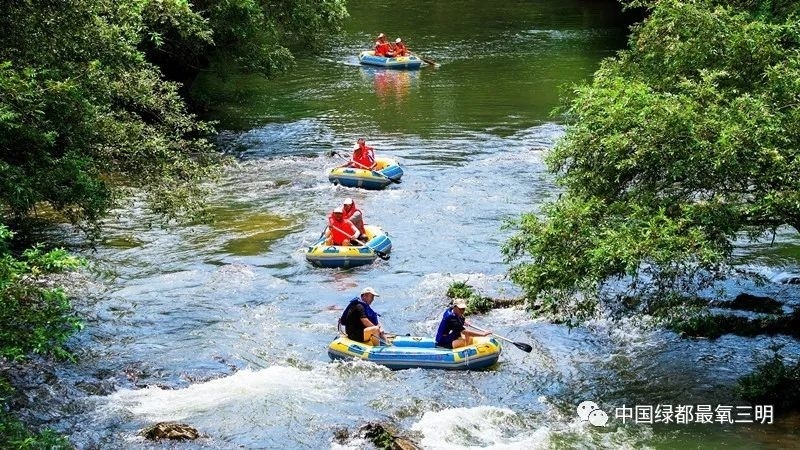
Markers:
(460, 289)
(772, 383)
(33, 318)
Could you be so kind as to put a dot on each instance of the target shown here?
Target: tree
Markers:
(681, 144)
(256, 35)
(83, 116)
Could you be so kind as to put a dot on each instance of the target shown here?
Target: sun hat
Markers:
(398, 40)
(348, 201)
(338, 210)
(369, 290)
(460, 303)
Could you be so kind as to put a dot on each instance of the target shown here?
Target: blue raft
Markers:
(401, 62)
(407, 352)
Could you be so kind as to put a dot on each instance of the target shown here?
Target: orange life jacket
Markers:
(382, 49)
(365, 156)
(342, 230)
(400, 49)
(355, 216)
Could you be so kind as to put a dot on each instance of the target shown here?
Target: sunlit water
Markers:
(224, 326)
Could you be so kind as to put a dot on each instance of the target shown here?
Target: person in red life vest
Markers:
(354, 215)
(363, 156)
(340, 230)
(400, 48)
(382, 47)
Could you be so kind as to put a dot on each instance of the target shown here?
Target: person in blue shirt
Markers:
(452, 332)
(361, 321)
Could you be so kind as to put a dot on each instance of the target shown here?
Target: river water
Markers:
(224, 326)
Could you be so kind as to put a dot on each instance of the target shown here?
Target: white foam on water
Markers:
(484, 427)
(353, 444)
(274, 384)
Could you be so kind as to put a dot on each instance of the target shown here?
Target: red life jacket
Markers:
(365, 156)
(382, 49)
(356, 217)
(341, 230)
(400, 49)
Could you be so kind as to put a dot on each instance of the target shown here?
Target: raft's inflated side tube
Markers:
(400, 62)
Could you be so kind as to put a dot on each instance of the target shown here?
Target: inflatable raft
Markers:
(401, 62)
(406, 352)
(344, 256)
(387, 171)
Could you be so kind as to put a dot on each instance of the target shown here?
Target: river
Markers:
(224, 326)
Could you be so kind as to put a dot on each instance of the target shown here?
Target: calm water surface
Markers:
(225, 326)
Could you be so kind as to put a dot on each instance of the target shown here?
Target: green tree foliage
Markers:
(80, 106)
(685, 141)
(82, 103)
(257, 35)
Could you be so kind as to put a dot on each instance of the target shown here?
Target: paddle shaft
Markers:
(427, 60)
(520, 345)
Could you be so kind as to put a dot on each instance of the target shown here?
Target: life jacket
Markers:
(400, 49)
(356, 217)
(365, 156)
(442, 332)
(371, 314)
(383, 49)
(341, 230)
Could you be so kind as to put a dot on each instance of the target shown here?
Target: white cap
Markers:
(355, 147)
(381, 35)
(338, 209)
(369, 290)
(398, 40)
(460, 303)
(348, 201)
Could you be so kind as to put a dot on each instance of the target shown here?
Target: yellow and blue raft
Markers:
(408, 352)
(321, 254)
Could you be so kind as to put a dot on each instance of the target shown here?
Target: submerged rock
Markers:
(754, 303)
(170, 430)
(386, 437)
(382, 436)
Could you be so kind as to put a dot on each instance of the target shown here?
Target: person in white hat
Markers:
(382, 47)
(400, 49)
(452, 331)
(341, 231)
(361, 321)
(354, 215)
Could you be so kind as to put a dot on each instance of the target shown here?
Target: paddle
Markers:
(380, 254)
(334, 152)
(427, 60)
(520, 345)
